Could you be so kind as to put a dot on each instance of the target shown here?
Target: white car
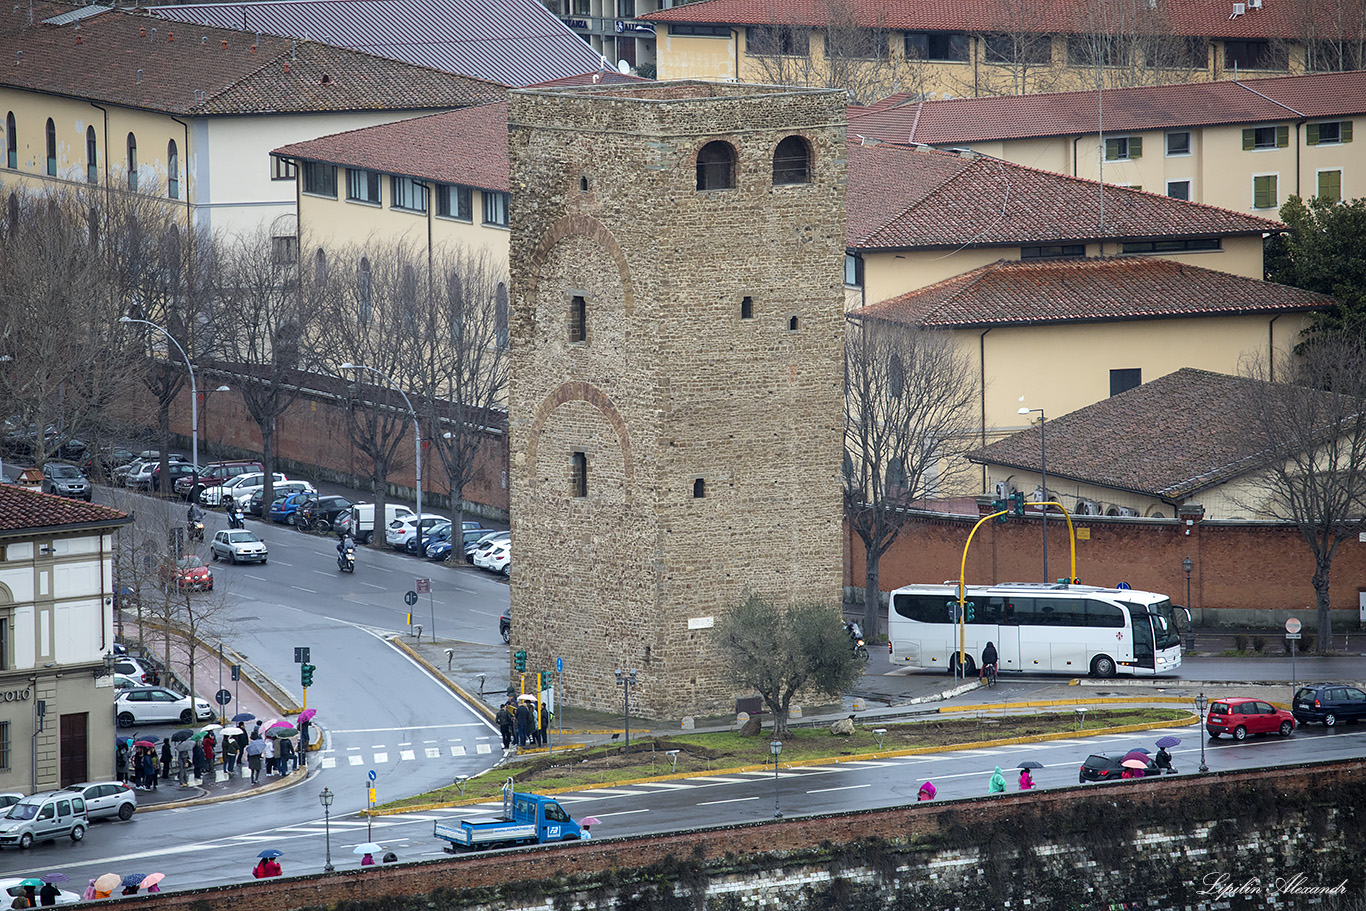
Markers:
(238, 546)
(497, 559)
(106, 798)
(150, 704)
(401, 530)
(14, 888)
(229, 489)
(139, 477)
(248, 489)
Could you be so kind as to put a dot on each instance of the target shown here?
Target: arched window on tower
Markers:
(792, 162)
(716, 166)
(364, 290)
(51, 148)
(92, 157)
(132, 162)
(11, 142)
(172, 170)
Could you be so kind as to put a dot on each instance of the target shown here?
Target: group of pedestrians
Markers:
(525, 722)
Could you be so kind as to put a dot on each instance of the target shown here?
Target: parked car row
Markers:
(61, 814)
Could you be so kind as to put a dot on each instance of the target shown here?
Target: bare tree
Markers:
(161, 271)
(462, 369)
(1332, 32)
(779, 652)
(1130, 43)
(265, 316)
(858, 53)
(908, 396)
(370, 318)
(1017, 52)
(1309, 433)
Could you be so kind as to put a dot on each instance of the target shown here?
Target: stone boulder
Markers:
(752, 728)
(844, 727)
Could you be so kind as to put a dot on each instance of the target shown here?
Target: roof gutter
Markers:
(106, 524)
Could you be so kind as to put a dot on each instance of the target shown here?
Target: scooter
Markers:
(346, 560)
(236, 519)
(860, 650)
(195, 530)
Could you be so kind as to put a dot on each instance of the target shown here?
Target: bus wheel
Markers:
(1103, 666)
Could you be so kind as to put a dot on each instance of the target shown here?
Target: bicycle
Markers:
(989, 674)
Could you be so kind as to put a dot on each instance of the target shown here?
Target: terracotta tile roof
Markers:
(901, 118)
(468, 146)
(1201, 18)
(1170, 438)
(29, 510)
(187, 70)
(901, 197)
(511, 42)
(1087, 290)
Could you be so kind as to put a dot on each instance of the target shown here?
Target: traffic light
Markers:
(1017, 503)
(971, 611)
(306, 674)
(1002, 507)
(519, 659)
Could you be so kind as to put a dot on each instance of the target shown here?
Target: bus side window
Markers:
(1008, 612)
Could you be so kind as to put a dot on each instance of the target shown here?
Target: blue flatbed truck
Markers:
(526, 819)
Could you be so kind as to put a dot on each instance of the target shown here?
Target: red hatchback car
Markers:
(1240, 716)
(189, 573)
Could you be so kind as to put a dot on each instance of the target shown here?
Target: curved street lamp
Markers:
(194, 391)
(417, 442)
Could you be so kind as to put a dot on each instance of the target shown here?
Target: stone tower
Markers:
(676, 392)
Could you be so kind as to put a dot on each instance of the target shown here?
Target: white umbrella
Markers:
(368, 848)
(231, 731)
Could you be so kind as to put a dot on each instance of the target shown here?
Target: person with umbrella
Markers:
(106, 884)
(166, 756)
(149, 768)
(89, 894)
(368, 850)
(1163, 759)
(586, 823)
(1026, 779)
(268, 866)
(927, 791)
(255, 748)
(131, 883)
(150, 881)
(997, 785)
(48, 894)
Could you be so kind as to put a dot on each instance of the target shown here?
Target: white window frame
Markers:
(1190, 187)
(1190, 144)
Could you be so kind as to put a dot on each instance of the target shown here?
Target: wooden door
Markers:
(73, 748)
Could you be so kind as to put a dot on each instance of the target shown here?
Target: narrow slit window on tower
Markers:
(747, 308)
(791, 324)
(578, 318)
(578, 475)
(583, 183)
(699, 488)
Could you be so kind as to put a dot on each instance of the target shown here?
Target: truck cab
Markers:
(526, 819)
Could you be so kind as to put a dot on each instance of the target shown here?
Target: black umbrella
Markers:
(1030, 764)
(243, 717)
(270, 853)
(182, 735)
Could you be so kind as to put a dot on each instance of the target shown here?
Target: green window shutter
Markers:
(1111, 149)
(1249, 139)
(1135, 146)
(1345, 131)
(1264, 191)
(1282, 136)
(1312, 134)
(1330, 185)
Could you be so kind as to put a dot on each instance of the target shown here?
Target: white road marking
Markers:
(406, 755)
(666, 785)
(457, 751)
(381, 758)
(721, 780)
(848, 787)
(300, 588)
(622, 813)
(710, 803)
(356, 760)
(373, 585)
(406, 743)
(257, 578)
(321, 573)
(483, 748)
(433, 752)
(467, 724)
(329, 763)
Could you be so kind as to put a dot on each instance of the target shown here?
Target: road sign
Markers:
(559, 665)
(1292, 635)
(424, 586)
(223, 697)
(410, 598)
(1292, 625)
(371, 774)
(301, 654)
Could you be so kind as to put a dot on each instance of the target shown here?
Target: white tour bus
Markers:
(1038, 628)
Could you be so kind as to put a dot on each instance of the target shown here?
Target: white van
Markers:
(359, 520)
(42, 817)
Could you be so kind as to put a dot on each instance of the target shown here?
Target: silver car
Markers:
(238, 546)
(65, 481)
(106, 798)
(45, 816)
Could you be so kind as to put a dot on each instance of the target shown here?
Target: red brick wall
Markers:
(1239, 569)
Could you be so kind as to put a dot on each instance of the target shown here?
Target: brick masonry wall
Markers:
(671, 384)
(1158, 843)
(1244, 574)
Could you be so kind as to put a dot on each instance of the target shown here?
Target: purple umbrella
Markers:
(1168, 742)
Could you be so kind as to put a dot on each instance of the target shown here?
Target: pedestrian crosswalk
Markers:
(379, 754)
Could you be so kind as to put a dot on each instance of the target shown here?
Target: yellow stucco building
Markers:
(1247, 145)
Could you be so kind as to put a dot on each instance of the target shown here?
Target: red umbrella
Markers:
(144, 743)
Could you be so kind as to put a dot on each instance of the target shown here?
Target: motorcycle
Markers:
(346, 560)
(856, 641)
(236, 518)
(195, 530)
(860, 650)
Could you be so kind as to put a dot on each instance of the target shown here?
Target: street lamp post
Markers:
(194, 390)
(417, 442)
(775, 747)
(1188, 564)
(1043, 475)
(626, 681)
(206, 418)
(326, 798)
(1200, 704)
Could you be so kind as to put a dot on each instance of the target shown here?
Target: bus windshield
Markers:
(1164, 625)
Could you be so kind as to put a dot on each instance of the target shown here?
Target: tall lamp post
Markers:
(194, 391)
(1200, 704)
(417, 442)
(326, 799)
(1043, 474)
(206, 417)
(626, 681)
(1188, 564)
(775, 747)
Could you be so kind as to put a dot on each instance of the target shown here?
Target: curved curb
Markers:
(1103, 700)
(739, 770)
(277, 785)
(476, 703)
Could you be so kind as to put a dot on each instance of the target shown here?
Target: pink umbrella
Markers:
(1134, 764)
(278, 724)
(589, 821)
(307, 714)
(151, 879)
